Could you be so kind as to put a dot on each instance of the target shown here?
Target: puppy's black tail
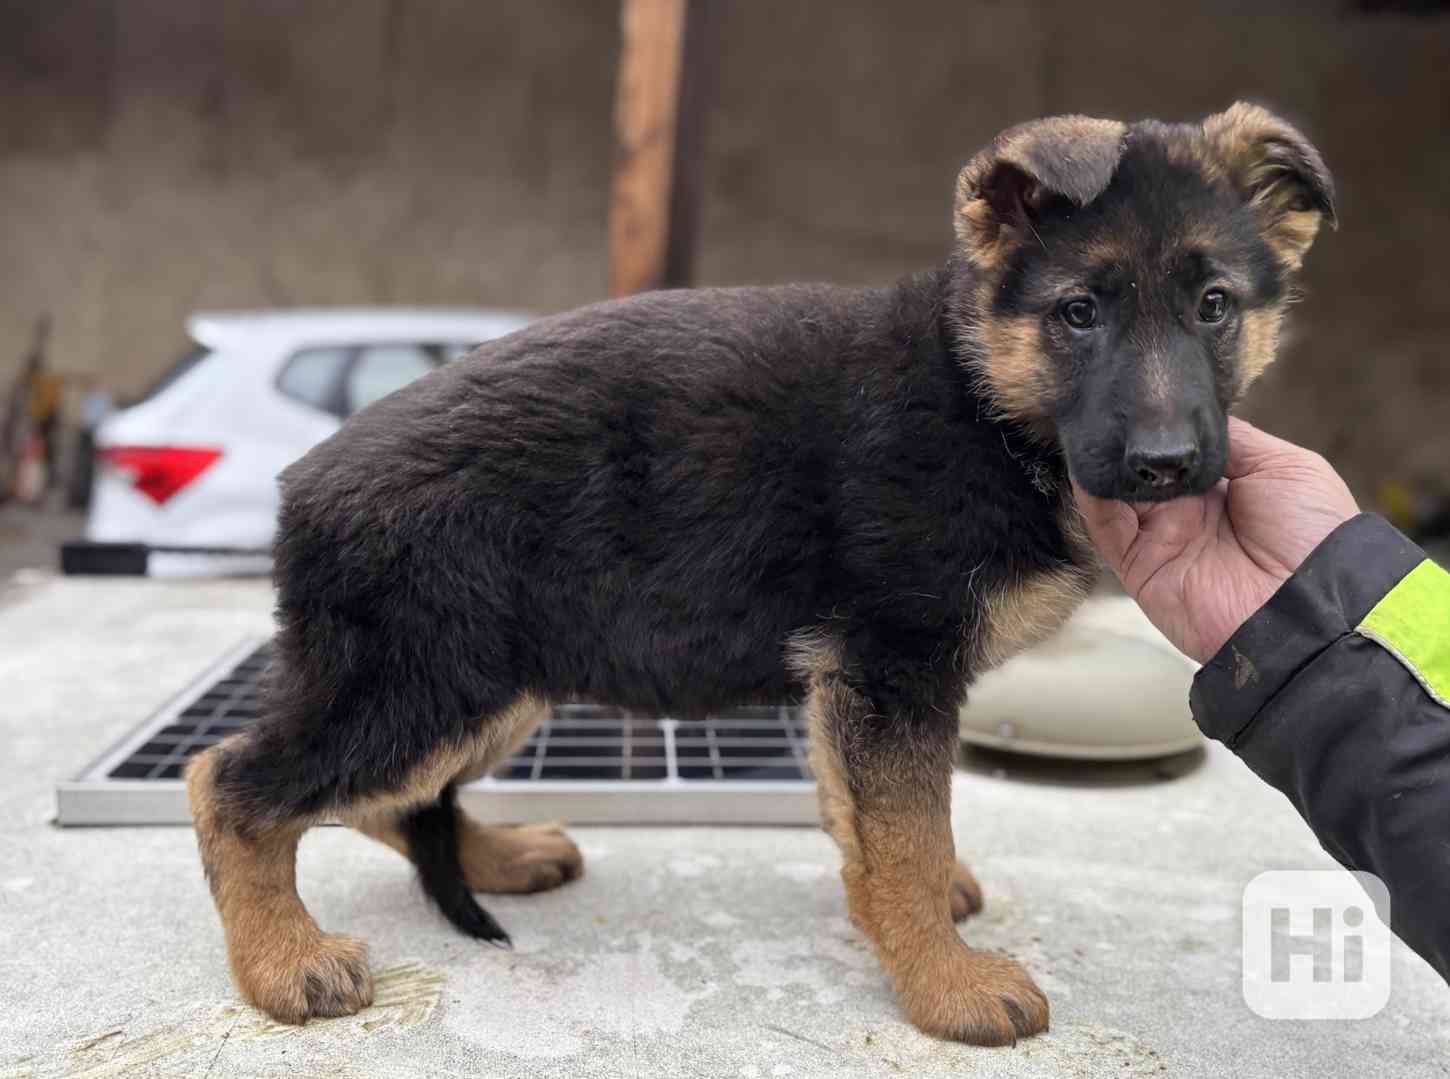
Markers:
(432, 835)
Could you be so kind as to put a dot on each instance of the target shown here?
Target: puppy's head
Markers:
(1128, 283)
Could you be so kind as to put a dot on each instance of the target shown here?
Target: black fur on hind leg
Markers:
(432, 836)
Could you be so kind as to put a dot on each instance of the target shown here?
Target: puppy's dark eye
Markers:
(1080, 314)
(1214, 305)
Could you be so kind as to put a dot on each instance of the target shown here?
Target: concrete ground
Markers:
(30, 536)
(682, 952)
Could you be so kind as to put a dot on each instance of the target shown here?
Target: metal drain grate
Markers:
(224, 707)
(588, 763)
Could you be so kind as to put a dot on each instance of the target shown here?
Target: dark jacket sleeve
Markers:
(1342, 721)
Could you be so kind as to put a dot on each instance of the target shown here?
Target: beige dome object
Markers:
(1108, 686)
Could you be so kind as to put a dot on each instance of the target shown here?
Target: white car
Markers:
(191, 469)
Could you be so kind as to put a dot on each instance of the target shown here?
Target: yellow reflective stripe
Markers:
(1413, 622)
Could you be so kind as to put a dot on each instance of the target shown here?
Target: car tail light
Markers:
(159, 472)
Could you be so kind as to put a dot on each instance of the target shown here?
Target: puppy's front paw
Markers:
(325, 976)
(974, 997)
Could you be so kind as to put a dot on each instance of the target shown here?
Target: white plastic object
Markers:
(1108, 686)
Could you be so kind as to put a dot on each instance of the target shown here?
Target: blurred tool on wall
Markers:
(30, 446)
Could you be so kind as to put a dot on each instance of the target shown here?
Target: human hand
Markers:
(1199, 567)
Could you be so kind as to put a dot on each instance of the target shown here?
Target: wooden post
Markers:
(653, 199)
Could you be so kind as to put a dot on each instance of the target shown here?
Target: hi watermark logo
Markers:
(1316, 944)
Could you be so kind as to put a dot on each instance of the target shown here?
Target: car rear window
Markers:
(345, 378)
(173, 373)
(314, 376)
(381, 369)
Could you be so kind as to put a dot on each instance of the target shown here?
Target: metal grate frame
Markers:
(588, 763)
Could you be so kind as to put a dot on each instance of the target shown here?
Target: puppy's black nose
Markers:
(1161, 462)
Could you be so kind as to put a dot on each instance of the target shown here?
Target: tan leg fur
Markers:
(891, 818)
(280, 960)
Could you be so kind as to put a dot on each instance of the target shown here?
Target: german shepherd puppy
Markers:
(687, 500)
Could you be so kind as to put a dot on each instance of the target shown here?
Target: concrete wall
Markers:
(158, 157)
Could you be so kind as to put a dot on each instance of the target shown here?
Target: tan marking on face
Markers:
(1258, 344)
(281, 961)
(1204, 238)
(1159, 383)
(1159, 378)
(1156, 379)
(1105, 251)
(1197, 236)
(1014, 366)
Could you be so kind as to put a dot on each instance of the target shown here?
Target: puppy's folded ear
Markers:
(1278, 171)
(1026, 169)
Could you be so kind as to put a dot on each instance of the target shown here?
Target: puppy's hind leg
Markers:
(341, 735)
(456, 854)
(281, 961)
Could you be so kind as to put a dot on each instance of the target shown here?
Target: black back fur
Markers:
(641, 502)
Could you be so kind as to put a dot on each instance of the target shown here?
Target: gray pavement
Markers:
(682, 952)
(30, 536)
